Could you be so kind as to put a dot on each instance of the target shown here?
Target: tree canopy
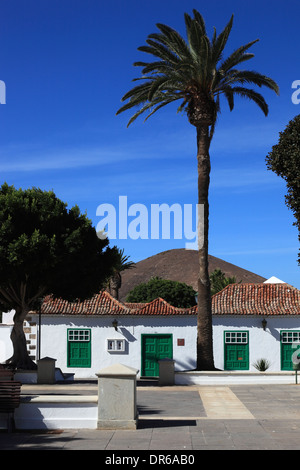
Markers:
(195, 72)
(46, 249)
(284, 160)
(175, 293)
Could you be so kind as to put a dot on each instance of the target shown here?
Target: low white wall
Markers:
(31, 376)
(55, 412)
(234, 378)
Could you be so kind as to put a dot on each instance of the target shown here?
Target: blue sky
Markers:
(67, 63)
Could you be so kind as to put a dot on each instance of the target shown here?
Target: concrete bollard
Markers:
(46, 370)
(117, 407)
(166, 372)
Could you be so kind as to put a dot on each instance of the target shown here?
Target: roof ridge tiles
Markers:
(234, 299)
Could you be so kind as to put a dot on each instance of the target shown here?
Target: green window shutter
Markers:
(236, 350)
(290, 341)
(79, 348)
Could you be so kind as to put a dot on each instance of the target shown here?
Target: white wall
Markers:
(54, 340)
(8, 317)
(6, 348)
(262, 344)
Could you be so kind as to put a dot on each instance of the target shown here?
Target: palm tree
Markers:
(121, 263)
(195, 73)
(218, 281)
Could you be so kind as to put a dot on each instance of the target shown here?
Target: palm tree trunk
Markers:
(205, 359)
(115, 284)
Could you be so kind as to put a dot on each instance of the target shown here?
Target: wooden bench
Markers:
(6, 374)
(10, 391)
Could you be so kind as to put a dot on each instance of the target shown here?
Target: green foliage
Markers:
(193, 71)
(121, 261)
(175, 293)
(262, 364)
(284, 160)
(45, 248)
(219, 281)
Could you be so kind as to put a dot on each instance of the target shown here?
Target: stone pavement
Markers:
(182, 419)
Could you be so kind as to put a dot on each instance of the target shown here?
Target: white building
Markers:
(250, 322)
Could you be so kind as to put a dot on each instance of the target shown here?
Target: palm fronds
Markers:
(187, 69)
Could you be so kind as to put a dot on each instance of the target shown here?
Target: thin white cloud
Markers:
(240, 139)
(261, 251)
(243, 178)
(28, 158)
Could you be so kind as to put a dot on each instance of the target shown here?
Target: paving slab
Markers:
(183, 419)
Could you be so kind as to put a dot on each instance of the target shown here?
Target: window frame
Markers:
(112, 345)
(243, 335)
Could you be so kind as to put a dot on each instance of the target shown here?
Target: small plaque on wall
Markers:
(180, 341)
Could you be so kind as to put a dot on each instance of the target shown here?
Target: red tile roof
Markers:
(100, 304)
(104, 304)
(235, 299)
(257, 299)
(161, 307)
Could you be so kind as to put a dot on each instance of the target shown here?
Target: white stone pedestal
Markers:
(117, 408)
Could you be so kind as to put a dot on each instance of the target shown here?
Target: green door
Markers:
(236, 350)
(154, 348)
(290, 353)
(79, 348)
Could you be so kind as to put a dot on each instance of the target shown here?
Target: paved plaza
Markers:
(183, 419)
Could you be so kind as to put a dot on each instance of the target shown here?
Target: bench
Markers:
(6, 374)
(10, 391)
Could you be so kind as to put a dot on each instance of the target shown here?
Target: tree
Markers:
(218, 281)
(175, 293)
(121, 263)
(194, 72)
(45, 249)
(284, 160)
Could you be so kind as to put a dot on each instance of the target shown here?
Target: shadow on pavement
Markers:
(164, 423)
